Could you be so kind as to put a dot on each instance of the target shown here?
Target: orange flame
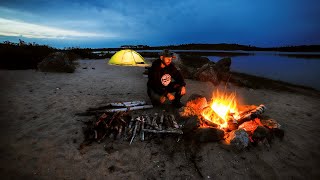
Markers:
(223, 107)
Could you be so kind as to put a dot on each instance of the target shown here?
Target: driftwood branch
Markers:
(178, 131)
(129, 108)
(128, 104)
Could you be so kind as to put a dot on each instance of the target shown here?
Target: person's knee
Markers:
(154, 97)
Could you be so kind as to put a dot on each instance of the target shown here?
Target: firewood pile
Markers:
(121, 125)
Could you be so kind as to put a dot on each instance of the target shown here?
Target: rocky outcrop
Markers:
(202, 69)
(207, 72)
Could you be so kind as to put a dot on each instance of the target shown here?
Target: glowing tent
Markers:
(127, 57)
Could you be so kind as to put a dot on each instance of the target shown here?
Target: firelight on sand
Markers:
(223, 107)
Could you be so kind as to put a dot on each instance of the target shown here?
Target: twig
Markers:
(142, 127)
(134, 131)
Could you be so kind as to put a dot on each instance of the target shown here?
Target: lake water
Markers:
(299, 71)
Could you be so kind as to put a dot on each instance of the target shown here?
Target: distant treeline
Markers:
(232, 47)
(223, 46)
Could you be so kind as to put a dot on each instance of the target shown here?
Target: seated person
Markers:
(164, 79)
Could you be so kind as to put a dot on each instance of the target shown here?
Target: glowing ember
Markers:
(223, 107)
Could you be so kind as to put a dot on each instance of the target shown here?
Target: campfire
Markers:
(222, 109)
(227, 120)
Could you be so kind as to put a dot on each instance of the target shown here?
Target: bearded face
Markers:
(166, 60)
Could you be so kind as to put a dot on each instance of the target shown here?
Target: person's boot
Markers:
(177, 104)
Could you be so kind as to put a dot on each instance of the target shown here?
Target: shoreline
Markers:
(258, 82)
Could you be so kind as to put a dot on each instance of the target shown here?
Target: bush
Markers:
(58, 62)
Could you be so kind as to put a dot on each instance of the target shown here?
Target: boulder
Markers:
(279, 133)
(238, 139)
(187, 71)
(222, 67)
(260, 133)
(188, 64)
(223, 64)
(208, 134)
(190, 124)
(202, 69)
(207, 73)
(193, 61)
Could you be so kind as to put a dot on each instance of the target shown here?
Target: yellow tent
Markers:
(127, 57)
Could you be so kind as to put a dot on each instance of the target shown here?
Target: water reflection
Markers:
(299, 71)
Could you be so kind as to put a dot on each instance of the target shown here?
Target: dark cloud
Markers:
(260, 23)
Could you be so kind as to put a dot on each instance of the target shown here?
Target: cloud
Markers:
(166, 21)
(18, 28)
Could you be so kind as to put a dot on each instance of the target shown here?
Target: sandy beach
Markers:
(41, 133)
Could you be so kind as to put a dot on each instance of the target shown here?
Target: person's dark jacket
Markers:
(155, 73)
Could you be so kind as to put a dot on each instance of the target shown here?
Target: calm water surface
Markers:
(299, 71)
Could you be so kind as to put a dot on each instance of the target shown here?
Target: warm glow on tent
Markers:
(127, 57)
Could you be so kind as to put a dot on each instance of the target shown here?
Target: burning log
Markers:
(271, 123)
(250, 126)
(252, 114)
(194, 106)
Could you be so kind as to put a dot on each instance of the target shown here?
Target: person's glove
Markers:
(170, 96)
(162, 99)
(183, 91)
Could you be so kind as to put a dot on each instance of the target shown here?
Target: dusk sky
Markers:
(111, 23)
